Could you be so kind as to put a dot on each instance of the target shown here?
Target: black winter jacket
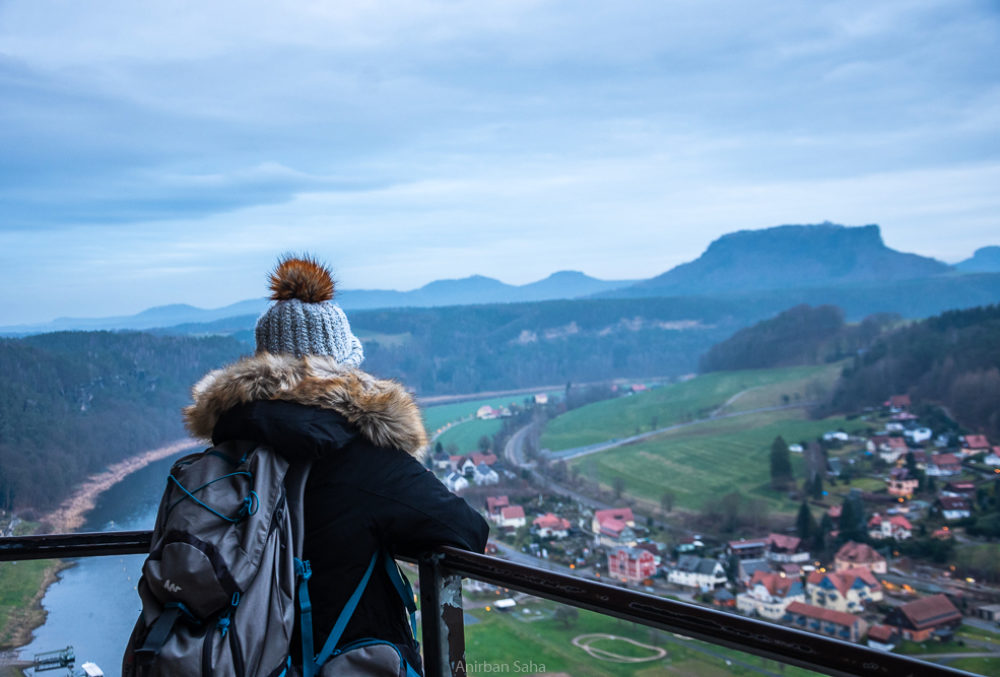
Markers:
(367, 490)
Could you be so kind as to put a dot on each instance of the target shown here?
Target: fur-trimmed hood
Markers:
(382, 411)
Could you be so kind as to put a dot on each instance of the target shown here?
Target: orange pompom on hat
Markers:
(303, 320)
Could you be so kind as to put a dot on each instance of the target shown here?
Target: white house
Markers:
(838, 435)
(701, 573)
(486, 413)
(769, 594)
(918, 435)
(484, 475)
(551, 525)
(954, 507)
(456, 482)
(512, 517)
(897, 526)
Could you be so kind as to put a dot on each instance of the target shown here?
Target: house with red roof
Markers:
(783, 549)
(494, 503)
(953, 507)
(853, 555)
(889, 448)
(899, 402)
(882, 637)
(848, 590)
(966, 489)
(830, 622)
(768, 595)
(921, 619)
(943, 465)
(631, 565)
(885, 526)
(485, 459)
(975, 444)
(512, 517)
(551, 525)
(614, 527)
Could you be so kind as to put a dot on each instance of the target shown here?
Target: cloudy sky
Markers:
(160, 152)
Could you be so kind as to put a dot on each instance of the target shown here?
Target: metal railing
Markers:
(443, 629)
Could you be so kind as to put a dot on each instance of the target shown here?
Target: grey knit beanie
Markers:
(302, 320)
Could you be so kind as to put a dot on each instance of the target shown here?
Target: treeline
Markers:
(73, 402)
(798, 336)
(952, 359)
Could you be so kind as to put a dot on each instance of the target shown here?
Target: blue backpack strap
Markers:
(338, 628)
(402, 586)
(303, 573)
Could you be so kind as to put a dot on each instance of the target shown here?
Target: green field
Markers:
(981, 665)
(802, 387)
(537, 643)
(437, 416)
(466, 435)
(624, 416)
(707, 460)
(19, 583)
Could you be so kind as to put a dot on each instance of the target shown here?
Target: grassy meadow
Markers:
(466, 435)
(439, 415)
(537, 643)
(625, 416)
(707, 460)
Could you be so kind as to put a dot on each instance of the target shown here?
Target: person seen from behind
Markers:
(304, 395)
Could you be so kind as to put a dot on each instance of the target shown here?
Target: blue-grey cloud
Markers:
(473, 134)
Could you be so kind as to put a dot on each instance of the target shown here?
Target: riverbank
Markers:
(26, 614)
(70, 515)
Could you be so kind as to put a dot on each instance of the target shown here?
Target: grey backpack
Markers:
(218, 588)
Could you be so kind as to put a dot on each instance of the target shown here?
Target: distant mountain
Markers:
(789, 257)
(985, 260)
(476, 289)
(159, 316)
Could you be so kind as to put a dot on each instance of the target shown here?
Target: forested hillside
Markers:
(802, 335)
(476, 348)
(73, 402)
(952, 359)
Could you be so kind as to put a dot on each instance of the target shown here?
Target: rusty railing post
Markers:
(442, 619)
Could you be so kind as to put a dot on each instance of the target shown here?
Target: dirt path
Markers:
(70, 515)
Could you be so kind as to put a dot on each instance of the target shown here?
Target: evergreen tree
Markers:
(853, 524)
(733, 568)
(805, 523)
(816, 486)
(823, 533)
(781, 464)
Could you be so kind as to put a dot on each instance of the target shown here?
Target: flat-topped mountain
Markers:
(792, 257)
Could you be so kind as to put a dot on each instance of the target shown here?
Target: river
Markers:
(94, 604)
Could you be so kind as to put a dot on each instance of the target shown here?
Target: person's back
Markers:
(303, 395)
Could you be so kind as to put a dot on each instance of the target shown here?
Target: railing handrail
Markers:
(770, 640)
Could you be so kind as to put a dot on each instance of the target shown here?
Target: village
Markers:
(875, 567)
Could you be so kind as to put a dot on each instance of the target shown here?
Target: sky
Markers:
(168, 151)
